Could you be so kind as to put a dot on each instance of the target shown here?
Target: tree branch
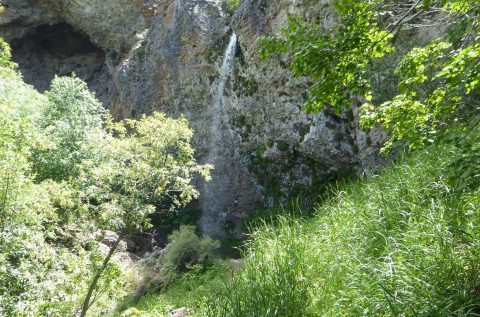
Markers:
(96, 278)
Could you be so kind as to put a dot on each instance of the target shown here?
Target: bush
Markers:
(184, 251)
(186, 248)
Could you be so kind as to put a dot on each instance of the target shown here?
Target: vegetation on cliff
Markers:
(404, 242)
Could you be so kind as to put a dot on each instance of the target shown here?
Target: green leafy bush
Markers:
(186, 248)
(185, 251)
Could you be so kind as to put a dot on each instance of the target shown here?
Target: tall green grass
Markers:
(398, 244)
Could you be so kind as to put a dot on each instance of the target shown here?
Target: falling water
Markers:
(214, 200)
(218, 110)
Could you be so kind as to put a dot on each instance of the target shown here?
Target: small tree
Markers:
(138, 168)
(69, 120)
(121, 173)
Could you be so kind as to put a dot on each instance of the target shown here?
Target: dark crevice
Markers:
(59, 49)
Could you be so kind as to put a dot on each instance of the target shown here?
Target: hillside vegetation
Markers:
(398, 244)
(68, 174)
(401, 243)
(405, 241)
(401, 239)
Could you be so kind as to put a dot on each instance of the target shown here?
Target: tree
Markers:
(438, 85)
(141, 167)
(337, 59)
(67, 169)
(69, 120)
(37, 277)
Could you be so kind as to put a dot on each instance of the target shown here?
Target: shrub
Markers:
(185, 251)
(186, 248)
(232, 5)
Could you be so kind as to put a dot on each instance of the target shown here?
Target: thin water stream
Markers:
(214, 198)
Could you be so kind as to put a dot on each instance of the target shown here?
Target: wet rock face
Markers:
(142, 56)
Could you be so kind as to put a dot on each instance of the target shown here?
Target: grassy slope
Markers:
(398, 244)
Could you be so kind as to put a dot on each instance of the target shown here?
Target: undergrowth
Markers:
(190, 290)
(398, 244)
(401, 243)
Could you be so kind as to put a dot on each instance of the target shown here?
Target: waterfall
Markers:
(215, 193)
(219, 111)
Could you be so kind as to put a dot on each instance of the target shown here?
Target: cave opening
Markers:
(59, 49)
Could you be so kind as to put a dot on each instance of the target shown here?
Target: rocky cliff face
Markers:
(167, 55)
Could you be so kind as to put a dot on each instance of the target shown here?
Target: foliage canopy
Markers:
(67, 173)
(438, 83)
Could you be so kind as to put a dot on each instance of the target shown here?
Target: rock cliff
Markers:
(141, 56)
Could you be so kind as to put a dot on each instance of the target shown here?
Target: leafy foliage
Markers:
(187, 248)
(67, 173)
(138, 168)
(335, 59)
(438, 84)
(438, 97)
(69, 119)
(5, 57)
(185, 251)
(36, 277)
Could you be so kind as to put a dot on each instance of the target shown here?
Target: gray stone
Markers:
(109, 238)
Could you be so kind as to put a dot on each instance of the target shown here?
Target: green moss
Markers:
(282, 145)
(244, 85)
(303, 130)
